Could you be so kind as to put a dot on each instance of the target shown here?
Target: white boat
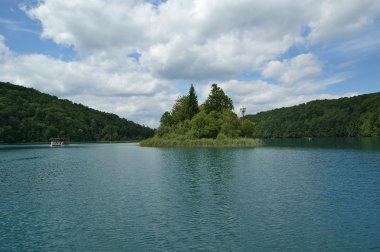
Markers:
(58, 141)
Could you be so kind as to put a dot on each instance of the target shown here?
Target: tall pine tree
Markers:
(192, 103)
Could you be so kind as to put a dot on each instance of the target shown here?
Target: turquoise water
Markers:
(288, 195)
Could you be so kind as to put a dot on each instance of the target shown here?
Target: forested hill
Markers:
(344, 117)
(27, 115)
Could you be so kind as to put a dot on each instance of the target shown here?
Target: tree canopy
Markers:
(27, 115)
(217, 100)
(357, 116)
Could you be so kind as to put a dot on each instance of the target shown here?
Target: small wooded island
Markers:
(213, 123)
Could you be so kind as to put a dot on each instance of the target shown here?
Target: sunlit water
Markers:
(289, 195)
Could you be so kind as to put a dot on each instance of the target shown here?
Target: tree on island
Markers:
(217, 100)
(185, 107)
(214, 119)
(192, 103)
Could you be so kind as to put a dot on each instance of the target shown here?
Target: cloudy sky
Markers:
(135, 57)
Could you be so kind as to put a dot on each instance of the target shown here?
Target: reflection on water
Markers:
(334, 143)
(288, 195)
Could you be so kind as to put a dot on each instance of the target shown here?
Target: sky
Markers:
(134, 58)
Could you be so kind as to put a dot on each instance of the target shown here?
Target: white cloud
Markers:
(142, 109)
(95, 25)
(334, 19)
(295, 71)
(181, 39)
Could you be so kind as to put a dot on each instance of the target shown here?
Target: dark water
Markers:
(289, 195)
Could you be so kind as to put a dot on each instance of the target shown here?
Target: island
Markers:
(211, 124)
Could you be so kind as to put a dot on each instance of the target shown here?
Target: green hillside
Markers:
(345, 117)
(27, 115)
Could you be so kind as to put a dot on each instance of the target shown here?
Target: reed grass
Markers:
(204, 142)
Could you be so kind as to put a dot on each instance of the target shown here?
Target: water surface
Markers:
(288, 195)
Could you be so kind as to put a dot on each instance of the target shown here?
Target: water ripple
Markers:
(121, 197)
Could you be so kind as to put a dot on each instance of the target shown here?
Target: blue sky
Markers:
(134, 58)
(23, 33)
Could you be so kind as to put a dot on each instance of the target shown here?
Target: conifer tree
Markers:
(217, 100)
(192, 103)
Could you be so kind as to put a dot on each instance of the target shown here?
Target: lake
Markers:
(294, 195)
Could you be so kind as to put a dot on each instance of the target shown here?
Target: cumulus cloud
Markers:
(334, 19)
(92, 25)
(197, 40)
(177, 39)
(298, 71)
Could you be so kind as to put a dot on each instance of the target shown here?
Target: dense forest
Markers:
(345, 117)
(27, 115)
(214, 119)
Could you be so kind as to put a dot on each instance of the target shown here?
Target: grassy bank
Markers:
(176, 142)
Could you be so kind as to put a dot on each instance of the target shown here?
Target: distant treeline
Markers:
(27, 115)
(345, 117)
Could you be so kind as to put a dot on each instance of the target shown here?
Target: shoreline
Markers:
(203, 143)
(89, 142)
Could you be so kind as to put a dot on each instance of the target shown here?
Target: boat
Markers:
(59, 141)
